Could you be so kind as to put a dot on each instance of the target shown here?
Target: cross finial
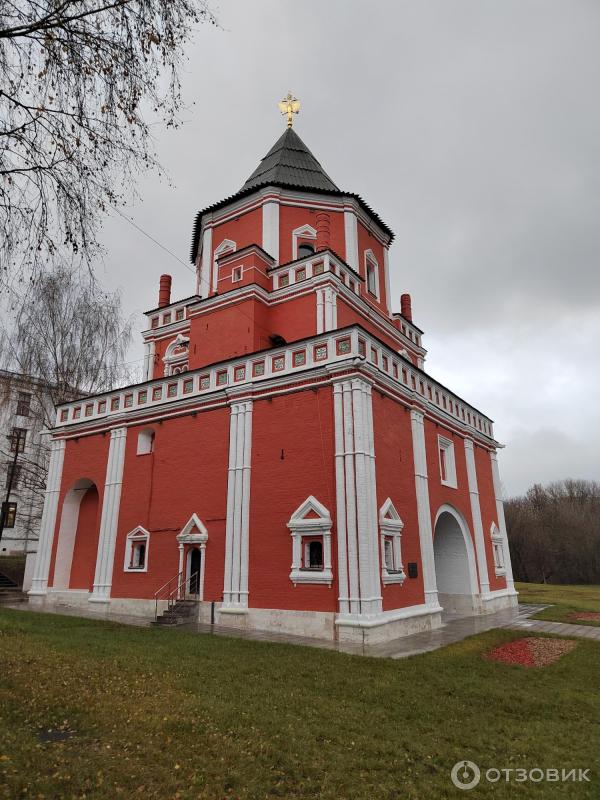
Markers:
(289, 105)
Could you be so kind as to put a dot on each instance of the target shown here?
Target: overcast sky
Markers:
(473, 128)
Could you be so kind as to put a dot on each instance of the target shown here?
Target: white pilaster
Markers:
(270, 228)
(386, 270)
(357, 527)
(423, 508)
(110, 517)
(351, 236)
(237, 530)
(205, 271)
(484, 581)
(501, 521)
(149, 351)
(320, 310)
(39, 583)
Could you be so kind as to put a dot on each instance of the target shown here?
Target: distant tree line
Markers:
(554, 533)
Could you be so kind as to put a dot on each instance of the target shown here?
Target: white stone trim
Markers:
(482, 565)
(470, 550)
(300, 526)
(67, 532)
(110, 517)
(498, 550)
(423, 508)
(356, 493)
(351, 238)
(370, 258)
(226, 246)
(149, 352)
(501, 521)
(303, 232)
(326, 309)
(235, 590)
(137, 534)
(386, 276)
(447, 446)
(39, 583)
(270, 228)
(391, 526)
(171, 360)
(204, 269)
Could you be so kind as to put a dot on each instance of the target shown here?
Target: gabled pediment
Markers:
(194, 530)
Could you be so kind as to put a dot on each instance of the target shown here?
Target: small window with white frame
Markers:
(236, 275)
(310, 527)
(136, 550)
(390, 529)
(447, 462)
(372, 273)
(498, 549)
(145, 442)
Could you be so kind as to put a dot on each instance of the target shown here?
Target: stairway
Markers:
(10, 592)
(183, 611)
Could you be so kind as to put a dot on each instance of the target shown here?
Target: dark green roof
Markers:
(290, 163)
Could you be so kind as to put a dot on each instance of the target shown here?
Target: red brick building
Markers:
(287, 462)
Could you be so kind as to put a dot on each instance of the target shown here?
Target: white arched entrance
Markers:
(67, 532)
(455, 566)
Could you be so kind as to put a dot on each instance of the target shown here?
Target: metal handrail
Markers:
(177, 593)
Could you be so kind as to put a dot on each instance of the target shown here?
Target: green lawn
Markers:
(167, 714)
(565, 600)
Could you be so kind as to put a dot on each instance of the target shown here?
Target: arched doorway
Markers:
(454, 556)
(77, 544)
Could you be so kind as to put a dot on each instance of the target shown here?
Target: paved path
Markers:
(558, 628)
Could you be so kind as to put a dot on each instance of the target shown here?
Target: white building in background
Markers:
(24, 403)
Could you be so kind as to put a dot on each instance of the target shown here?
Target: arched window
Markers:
(372, 273)
(177, 355)
(145, 442)
(305, 250)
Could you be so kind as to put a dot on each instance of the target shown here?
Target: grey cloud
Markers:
(474, 130)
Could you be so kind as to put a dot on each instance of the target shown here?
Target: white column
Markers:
(110, 517)
(270, 229)
(357, 529)
(39, 583)
(484, 581)
(351, 236)
(423, 508)
(205, 271)
(501, 521)
(237, 529)
(149, 351)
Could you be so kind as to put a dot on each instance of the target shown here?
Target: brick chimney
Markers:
(164, 292)
(322, 231)
(406, 307)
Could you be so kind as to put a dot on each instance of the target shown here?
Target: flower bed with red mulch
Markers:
(531, 651)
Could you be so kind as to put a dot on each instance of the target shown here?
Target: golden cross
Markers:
(289, 105)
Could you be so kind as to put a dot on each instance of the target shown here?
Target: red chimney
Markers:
(164, 292)
(322, 231)
(406, 307)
